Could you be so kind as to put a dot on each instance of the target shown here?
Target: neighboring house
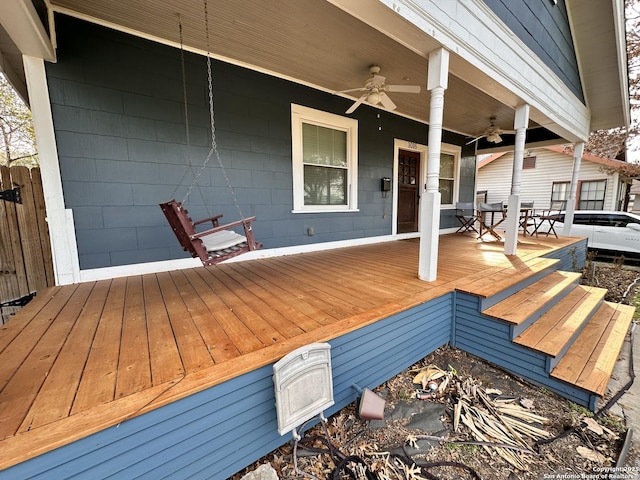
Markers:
(546, 176)
(120, 97)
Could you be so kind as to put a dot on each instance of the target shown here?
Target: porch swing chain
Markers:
(214, 149)
(186, 110)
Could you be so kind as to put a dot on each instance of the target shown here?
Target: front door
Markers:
(408, 190)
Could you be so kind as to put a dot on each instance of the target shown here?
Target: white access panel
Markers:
(303, 385)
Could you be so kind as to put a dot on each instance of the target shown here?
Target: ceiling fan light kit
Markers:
(492, 133)
(494, 138)
(374, 91)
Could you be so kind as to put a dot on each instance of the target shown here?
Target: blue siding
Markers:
(118, 117)
(217, 432)
(544, 28)
(572, 258)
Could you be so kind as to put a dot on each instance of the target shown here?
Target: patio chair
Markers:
(214, 245)
(528, 219)
(466, 215)
(490, 215)
(548, 218)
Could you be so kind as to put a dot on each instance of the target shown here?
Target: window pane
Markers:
(592, 195)
(324, 146)
(446, 191)
(325, 185)
(446, 165)
(560, 191)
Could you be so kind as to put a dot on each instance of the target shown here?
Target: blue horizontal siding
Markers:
(216, 432)
(572, 257)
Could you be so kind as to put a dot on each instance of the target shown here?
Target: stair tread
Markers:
(520, 306)
(552, 331)
(589, 362)
(488, 283)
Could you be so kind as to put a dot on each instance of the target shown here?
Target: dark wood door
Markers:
(408, 190)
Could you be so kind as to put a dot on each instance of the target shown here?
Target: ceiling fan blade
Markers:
(475, 140)
(387, 102)
(403, 88)
(356, 104)
(360, 89)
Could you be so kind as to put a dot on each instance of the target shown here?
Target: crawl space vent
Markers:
(303, 385)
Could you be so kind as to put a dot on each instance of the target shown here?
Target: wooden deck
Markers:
(84, 357)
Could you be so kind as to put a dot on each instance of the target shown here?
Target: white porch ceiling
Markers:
(309, 41)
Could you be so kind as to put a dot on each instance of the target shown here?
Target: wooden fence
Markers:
(26, 265)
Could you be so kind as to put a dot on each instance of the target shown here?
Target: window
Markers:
(447, 178)
(325, 161)
(592, 194)
(560, 191)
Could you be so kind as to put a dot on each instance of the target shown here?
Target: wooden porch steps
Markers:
(553, 333)
(524, 307)
(578, 333)
(589, 362)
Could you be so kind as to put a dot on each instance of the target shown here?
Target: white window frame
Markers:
(300, 115)
(455, 151)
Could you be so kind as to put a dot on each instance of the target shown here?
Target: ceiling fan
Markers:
(492, 133)
(375, 91)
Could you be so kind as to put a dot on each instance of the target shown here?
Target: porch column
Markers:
(430, 208)
(513, 209)
(578, 150)
(60, 220)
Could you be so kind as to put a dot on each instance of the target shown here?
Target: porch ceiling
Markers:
(308, 41)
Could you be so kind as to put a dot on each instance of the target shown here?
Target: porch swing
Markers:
(220, 242)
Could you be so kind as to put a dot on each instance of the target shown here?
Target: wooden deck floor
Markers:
(83, 357)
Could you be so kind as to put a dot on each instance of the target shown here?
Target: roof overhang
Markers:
(21, 33)
(600, 38)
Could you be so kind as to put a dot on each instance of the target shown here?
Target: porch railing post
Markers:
(578, 150)
(513, 209)
(430, 208)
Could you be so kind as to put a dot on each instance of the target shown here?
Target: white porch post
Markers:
(430, 208)
(60, 221)
(578, 150)
(513, 209)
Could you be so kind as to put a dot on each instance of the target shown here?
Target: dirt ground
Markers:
(589, 448)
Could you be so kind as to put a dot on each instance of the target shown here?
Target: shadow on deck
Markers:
(171, 372)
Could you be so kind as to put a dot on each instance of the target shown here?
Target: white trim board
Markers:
(106, 273)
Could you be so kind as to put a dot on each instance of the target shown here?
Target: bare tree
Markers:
(611, 143)
(17, 137)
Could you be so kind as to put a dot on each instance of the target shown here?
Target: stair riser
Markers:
(491, 301)
(518, 329)
(553, 361)
(489, 338)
